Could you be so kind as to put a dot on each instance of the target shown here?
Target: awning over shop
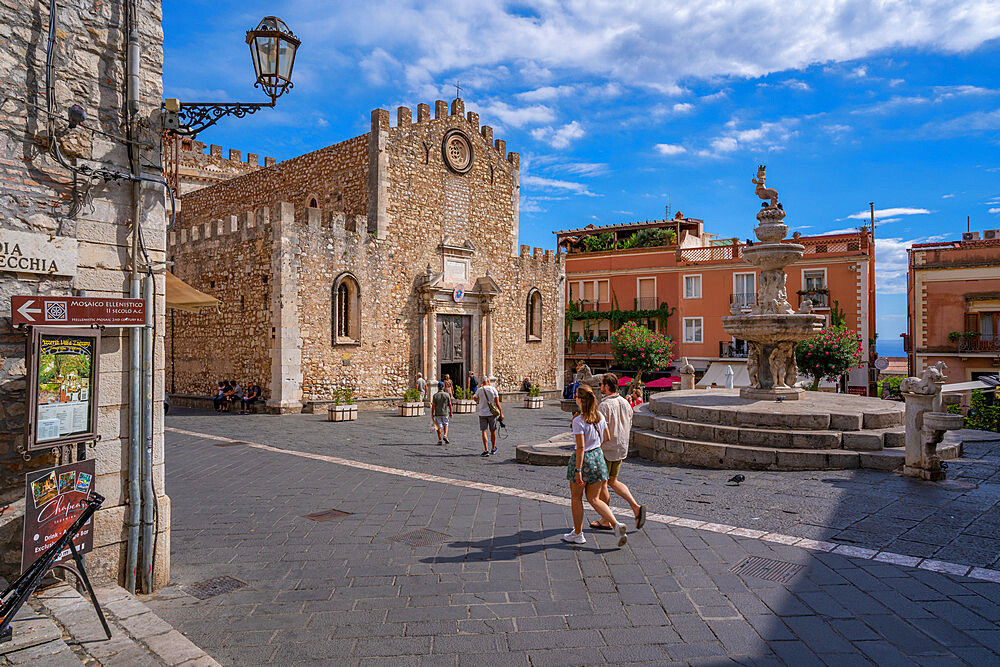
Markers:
(959, 387)
(181, 296)
(717, 373)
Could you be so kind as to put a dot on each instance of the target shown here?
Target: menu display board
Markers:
(53, 499)
(63, 390)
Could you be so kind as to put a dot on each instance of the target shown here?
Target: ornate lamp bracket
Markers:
(190, 119)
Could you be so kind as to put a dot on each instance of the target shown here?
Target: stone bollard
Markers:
(926, 423)
(687, 374)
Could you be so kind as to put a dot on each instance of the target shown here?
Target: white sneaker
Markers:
(574, 538)
(620, 532)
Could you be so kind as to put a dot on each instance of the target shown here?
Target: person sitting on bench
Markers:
(251, 397)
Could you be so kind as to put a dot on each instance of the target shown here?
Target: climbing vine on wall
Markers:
(616, 315)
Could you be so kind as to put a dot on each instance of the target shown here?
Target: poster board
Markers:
(53, 499)
(62, 390)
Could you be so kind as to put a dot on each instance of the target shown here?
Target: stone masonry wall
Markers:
(40, 196)
(197, 169)
(231, 260)
(336, 175)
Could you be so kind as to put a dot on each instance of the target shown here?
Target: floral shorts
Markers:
(594, 467)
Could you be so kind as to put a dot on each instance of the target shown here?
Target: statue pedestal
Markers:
(772, 394)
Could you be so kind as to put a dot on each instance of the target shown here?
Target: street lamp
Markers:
(272, 49)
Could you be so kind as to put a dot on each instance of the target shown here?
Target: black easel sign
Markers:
(54, 498)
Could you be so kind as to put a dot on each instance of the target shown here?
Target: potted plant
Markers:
(464, 403)
(411, 405)
(344, 409)
(533, 400)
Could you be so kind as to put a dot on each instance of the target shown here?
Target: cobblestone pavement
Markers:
(956, 521)
(486, 580)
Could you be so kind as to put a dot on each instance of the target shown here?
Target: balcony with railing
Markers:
(820, 297)
(590, 348)
(646, 303)
(737, 350)
(732, 251)
(976, 342)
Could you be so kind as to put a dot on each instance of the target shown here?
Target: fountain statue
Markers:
(771, 326)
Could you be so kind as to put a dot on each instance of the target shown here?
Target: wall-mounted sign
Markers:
(62, 386)
(881, 363)
(23, 252)
(458, 295)
(858, 391)
(77, 311)
(53, 499)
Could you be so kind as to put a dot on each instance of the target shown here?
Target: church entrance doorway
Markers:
(454, 334)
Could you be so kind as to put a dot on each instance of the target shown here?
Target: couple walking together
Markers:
(601, 432)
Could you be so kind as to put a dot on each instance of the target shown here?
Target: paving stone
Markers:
(504, 559)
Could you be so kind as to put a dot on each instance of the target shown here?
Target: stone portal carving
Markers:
(771, 327)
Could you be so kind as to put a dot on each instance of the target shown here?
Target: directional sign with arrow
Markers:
(77, 311)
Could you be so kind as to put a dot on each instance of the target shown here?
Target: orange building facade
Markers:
(953, 306)
(691, 282)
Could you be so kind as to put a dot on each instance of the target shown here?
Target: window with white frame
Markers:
(692, 286)
(693, 330)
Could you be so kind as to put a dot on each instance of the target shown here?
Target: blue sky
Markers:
(619, 108)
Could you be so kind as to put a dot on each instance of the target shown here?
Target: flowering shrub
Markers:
(829, 354)
(637, 348)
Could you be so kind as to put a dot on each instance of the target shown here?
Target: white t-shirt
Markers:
(486, 395)
(592, 434)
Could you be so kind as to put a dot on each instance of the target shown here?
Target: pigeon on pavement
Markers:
(737, 479)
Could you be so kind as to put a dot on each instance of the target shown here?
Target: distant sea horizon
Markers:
(890, 348)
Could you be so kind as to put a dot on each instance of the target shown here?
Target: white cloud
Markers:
(949, 196)
(791, 84)
(946, 92)
(883, 221)
(561, 137)
(670, 149)
(377, 66)
(994, 210)
(535, 114)
(767, 136)
(859, 72)
(555, 184)
(886, 212)
(890, 265)
(624, 42)
(683, 107)
(971, 123)
(581, 168)
(545, 93)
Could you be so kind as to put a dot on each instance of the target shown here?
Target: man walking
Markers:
(619, 415)
(473, 382)
(489, 412)
(441, 412)
(422, 386)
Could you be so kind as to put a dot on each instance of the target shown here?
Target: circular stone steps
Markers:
(662, 448)
(716, 428)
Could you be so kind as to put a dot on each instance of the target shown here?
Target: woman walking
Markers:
(449, 386)
(590, 475)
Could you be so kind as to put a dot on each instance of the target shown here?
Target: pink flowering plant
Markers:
(637, 348)
(829, 354)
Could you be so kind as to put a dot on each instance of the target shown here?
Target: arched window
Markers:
(313, 203)
(533, 316)
(346, 310)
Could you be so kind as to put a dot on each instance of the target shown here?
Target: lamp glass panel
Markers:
(285, 58)
(268, 53)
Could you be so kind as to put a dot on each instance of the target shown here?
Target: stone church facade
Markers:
(365, 262)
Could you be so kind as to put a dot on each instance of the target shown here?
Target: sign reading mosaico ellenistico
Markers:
(21, 252)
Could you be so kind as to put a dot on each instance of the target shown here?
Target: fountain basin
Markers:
(943, 421)
(774, 328)
(773, 256)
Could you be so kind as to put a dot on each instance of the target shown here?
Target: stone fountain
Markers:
(772, 327)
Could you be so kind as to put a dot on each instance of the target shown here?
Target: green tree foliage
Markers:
(637, 348)
(829, 354)
(984, 414)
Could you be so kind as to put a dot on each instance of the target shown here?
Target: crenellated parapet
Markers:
(442, 111)
(539, 255)
(255, 223)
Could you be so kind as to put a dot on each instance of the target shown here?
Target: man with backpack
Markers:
(489, 412)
